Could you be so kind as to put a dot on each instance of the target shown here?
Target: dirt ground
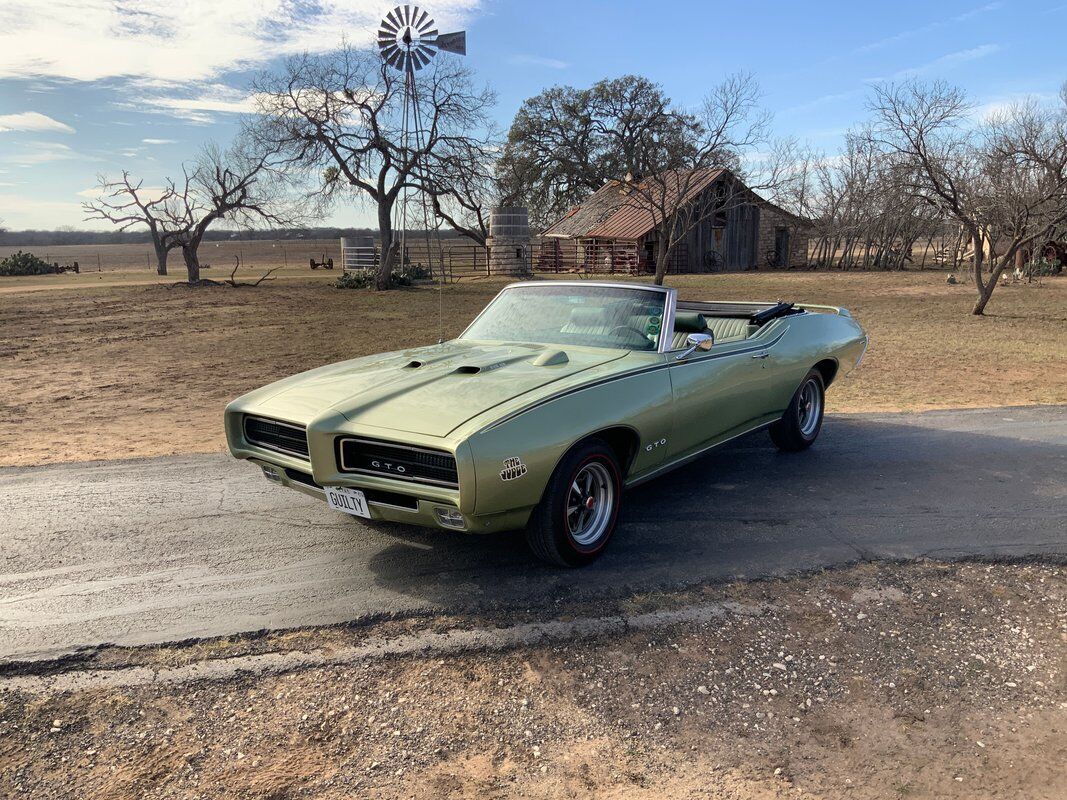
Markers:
(877, 681)
(145, 370)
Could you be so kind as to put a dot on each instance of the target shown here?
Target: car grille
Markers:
(399, 461)
(275, 435)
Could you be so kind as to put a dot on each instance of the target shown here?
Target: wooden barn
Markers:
(615, 225)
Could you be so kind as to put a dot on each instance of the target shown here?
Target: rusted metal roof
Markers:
(636, 216)
(591, 212)
(618, 211)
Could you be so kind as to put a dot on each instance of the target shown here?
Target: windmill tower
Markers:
(408, 40)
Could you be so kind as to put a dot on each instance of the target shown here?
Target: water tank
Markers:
(509, 222)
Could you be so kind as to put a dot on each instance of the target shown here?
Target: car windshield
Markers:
(590, 316)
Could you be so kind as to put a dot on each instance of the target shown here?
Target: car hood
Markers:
(428, 390)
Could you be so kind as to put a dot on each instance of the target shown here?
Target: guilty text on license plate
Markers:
(351, 501)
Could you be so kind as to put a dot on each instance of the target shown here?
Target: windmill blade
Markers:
(387, 27)
(422, 57)
(394, 17)
(421, 23)
(389, 51)
(407, 15)
(453, 42)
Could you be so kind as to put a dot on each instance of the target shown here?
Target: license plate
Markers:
(350, 501)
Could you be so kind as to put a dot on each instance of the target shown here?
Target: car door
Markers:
(714, 393)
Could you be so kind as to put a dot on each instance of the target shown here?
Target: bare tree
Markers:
(127, 204)
(238, 185)
(462, 187)
(1004, 181)
(338, 119)
(675, 195)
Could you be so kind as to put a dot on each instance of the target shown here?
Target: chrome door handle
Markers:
(761, 355)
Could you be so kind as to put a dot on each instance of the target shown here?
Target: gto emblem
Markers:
(513, 468)
(388, 467)
(649, 448)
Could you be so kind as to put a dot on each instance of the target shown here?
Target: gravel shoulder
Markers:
(879, 680)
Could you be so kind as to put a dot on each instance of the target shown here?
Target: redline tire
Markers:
(577, 515)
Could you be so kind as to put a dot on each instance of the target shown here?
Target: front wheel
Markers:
(800, 425)
(576, 517)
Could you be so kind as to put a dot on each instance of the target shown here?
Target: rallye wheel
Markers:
(802, 421)
(576, 517)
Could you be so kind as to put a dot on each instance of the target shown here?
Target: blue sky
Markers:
(95, 86)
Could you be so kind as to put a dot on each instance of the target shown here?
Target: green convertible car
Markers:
(556, 398)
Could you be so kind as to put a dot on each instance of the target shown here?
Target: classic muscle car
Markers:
(556, 398)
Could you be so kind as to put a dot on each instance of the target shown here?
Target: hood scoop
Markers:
(468, 370)
(550, 358)
(413, 365)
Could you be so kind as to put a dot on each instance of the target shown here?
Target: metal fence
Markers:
(602, 257)
(454, 260)
(552, 256)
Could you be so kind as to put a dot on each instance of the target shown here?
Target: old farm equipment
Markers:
(325, 263)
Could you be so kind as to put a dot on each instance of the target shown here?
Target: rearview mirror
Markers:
(696, 341)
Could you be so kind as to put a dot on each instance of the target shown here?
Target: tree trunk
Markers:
(389, 248)
(662, 255)
(161, 259)
(985, 290)
(192, 262)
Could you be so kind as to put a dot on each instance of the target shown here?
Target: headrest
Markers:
(690, 322)
(583, 317)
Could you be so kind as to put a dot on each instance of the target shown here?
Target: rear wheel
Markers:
(802, 421)
(576, 517)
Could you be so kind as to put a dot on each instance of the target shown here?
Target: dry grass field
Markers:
(117, 371)
(262, 253)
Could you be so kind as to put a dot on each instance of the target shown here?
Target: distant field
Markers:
(220, 255)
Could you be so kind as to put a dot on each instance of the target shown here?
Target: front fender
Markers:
(540, 436)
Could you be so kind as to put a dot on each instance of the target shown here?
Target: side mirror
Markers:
(696, 341)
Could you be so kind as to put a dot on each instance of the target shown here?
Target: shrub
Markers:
(365, 278)
(1044, 267)
(355, 279)
(25, 264)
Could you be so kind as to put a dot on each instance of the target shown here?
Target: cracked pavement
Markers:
(164, 549)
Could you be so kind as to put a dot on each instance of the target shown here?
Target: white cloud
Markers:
(997, 106)
(169, 41)
(32, 121)
(930, 27)
(19, 211)
(146, 192)
(159, 141)
(945, 62)
(539, 61)
(36, 153)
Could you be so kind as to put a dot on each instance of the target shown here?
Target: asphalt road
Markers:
(164, 549)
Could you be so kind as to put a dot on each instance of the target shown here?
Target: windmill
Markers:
(408, 40)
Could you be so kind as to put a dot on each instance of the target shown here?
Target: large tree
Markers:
(1003, 180)
(565, 143)
(127, 203)
(339, 119)
(239, 185)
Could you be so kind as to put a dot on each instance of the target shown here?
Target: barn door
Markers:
(781, 247)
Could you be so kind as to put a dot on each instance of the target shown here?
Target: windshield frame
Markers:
(669, 306)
